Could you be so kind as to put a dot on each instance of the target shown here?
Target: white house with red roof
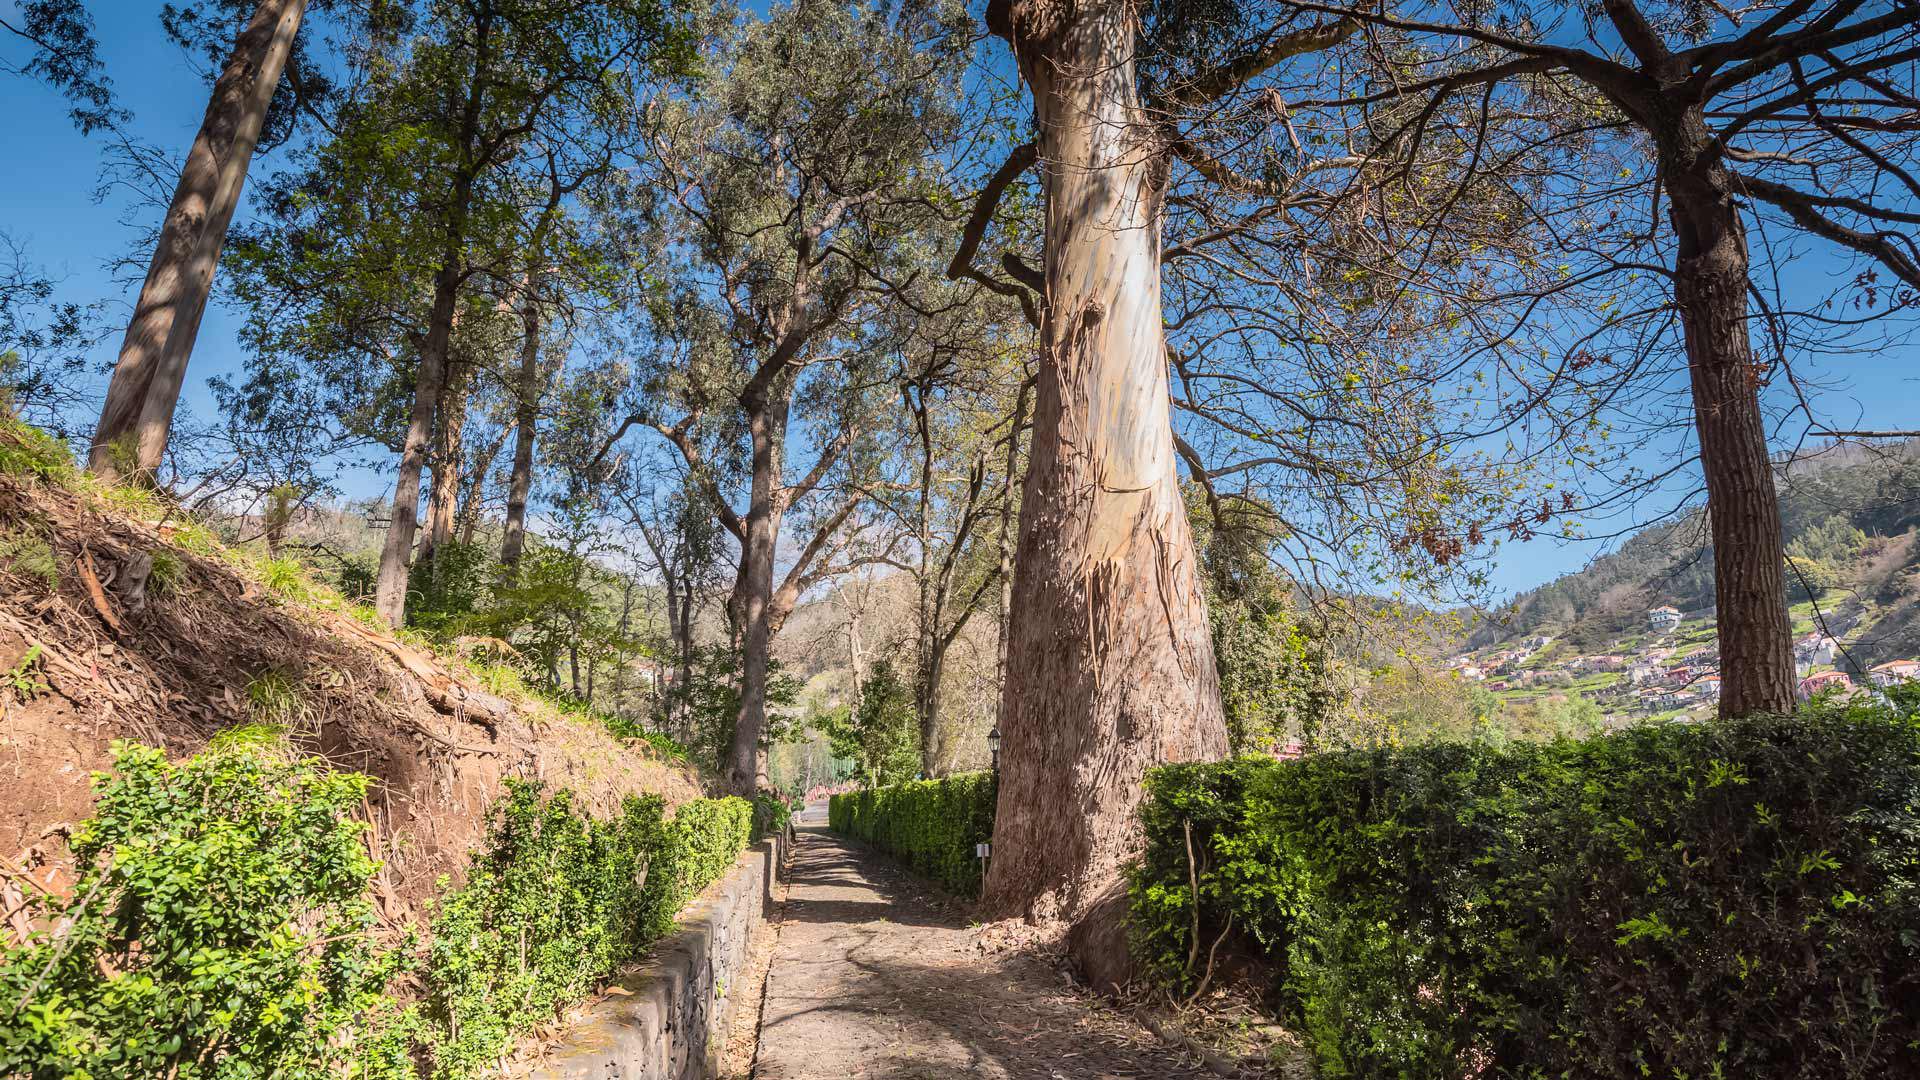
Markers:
(1822, 681)
(1894, 672)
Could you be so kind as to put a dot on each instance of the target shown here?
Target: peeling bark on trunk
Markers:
(1749, 562)
(138, 412)
(390, 592)
(753, 602)
(1008, 519)
(447, 459)
(525, 418)
(471, 499)
(1110, 667)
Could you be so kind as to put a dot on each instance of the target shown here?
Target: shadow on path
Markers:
(873, 978)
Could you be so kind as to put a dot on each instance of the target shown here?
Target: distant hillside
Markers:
(1850, 514)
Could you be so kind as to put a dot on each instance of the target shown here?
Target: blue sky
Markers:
(47, 205)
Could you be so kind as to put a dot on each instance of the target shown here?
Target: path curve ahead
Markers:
(872, 980)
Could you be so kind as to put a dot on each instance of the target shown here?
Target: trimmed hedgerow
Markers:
(931, 825)
(1724, 899)
(554, 902)
(221, 926)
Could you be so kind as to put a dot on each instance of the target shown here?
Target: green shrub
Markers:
(931, 825)
(771, 814)
(27, 451)
(553, 903)
(30, 555)
(168, 574)
(221, 925)
(1735, 899)
(285, 578)
(218, 928)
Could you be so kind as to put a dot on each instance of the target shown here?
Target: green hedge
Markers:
(219, 928)
(221, 925)
(554, 902)
(932, 825)
(1734, 899)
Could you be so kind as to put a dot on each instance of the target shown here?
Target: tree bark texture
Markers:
(138, 413)
(449, 430)
(390, 591)
(526, 416)
(1749, 563)
(753, 603)
(1110, 666)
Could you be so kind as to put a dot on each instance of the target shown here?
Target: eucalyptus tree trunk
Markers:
(1110, 668)
(525, 416)
(447, 459)
(755, 611)
(137, 416)
(1711, 270)
(1110, 663)
(390, 590)
(471, 500)
(1008, 519)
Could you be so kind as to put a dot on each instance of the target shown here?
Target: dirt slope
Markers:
(204, 643)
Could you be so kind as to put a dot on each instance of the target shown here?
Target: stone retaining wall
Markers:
(667, 1018)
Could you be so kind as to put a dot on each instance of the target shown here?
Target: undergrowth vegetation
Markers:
(931, 825)
(1726, 899)
(222, 927)
(219, 927)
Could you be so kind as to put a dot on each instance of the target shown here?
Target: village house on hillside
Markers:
(1815, 649)
(1894, 672)
(1823, 681)
(1663, 619)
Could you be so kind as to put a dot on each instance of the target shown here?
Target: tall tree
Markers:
(960, 386)
(1193, 223)
(131, 437)
(1110, 668)
(439, 172)
(797, 191)
(1708, 122)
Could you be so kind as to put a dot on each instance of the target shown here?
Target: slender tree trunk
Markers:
(1110, 667)
(470, 501)
(525, 418)
(926, 680)
(1749, 565)
(138, 413)
(683, 646)
(448, 457)
(390, 593)
(626, 621)
(753, 600)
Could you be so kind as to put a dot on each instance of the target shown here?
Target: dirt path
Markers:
(873, 979)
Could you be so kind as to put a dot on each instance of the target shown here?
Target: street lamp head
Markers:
(993, 741)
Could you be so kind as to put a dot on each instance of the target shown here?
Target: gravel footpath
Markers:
(874, 978)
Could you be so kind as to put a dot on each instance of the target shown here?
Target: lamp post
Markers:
(993, 747)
